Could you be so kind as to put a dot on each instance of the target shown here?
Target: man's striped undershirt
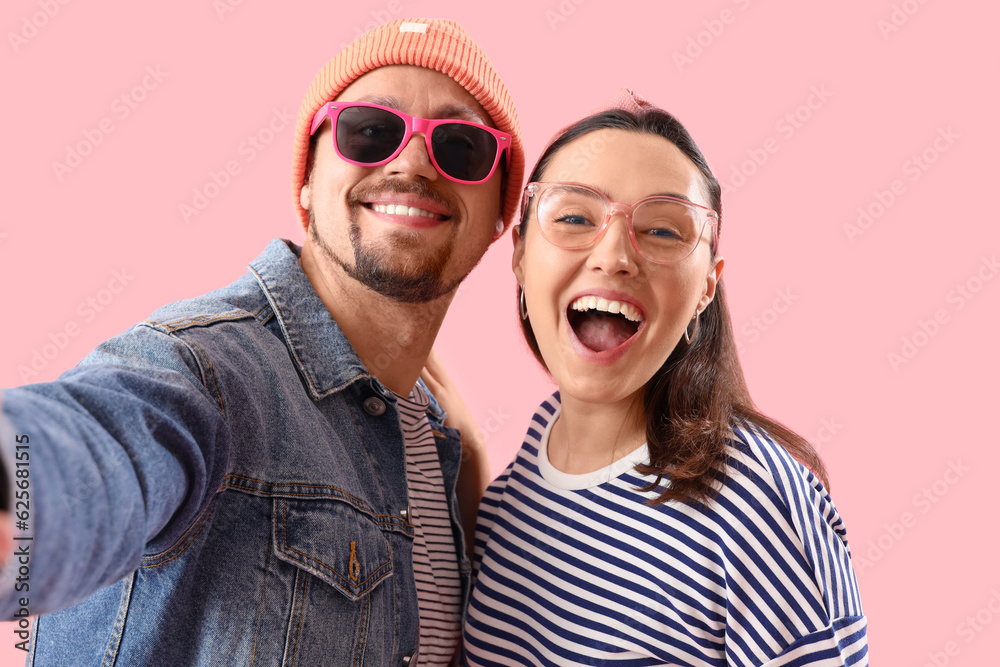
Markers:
(435, 564)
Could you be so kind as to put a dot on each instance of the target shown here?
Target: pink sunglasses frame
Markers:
(414, 125)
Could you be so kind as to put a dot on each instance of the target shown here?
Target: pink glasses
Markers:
(573, 215)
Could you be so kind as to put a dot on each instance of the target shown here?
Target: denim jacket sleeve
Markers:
(124, 451)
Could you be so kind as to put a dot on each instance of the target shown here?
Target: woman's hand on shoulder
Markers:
(440, 384)
(474, 473)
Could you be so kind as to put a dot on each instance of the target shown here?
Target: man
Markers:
(264, 481)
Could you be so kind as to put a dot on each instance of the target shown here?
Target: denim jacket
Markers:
(222, 484)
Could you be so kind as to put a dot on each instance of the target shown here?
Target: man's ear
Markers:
(518, 256)
(305, 196)
(498, 232)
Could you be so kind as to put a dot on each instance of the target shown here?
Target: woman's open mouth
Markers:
(604, 327)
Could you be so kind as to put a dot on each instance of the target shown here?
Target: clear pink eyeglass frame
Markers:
(612, 207)
(414, 124)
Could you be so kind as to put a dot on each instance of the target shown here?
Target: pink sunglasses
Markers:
(370, 135)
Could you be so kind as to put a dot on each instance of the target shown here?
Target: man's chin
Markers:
(403, 275)
(398, 286)
(400, 267)
(397, 265)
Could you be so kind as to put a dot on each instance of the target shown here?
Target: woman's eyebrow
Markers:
(675, 195)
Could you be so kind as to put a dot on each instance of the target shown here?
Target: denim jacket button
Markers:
(405, 513)
(374, 406)
(405, 662)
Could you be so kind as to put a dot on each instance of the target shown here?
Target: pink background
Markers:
(818, 307)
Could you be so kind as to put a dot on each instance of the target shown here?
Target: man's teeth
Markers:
(402, 209)
(585, 303)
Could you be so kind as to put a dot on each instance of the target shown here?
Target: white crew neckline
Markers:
(570, 482)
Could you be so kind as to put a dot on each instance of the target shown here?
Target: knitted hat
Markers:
(437, 44)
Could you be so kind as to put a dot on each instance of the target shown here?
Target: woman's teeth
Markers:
(402, 209)
(585, 303)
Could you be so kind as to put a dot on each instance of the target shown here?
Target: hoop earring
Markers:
(689, 337)
(524, 306)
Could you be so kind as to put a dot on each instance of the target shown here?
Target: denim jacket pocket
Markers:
(334, 541)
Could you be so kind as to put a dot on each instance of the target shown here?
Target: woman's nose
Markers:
(613, 252)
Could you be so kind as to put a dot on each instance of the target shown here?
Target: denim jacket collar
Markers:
(321, 351)
(318, 345)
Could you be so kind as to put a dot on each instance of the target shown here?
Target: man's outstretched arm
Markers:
(115, 455)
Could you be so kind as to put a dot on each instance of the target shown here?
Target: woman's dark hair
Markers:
(693, 400)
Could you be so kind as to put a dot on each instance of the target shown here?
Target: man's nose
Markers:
(413, 161)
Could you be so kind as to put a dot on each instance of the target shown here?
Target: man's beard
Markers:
(397, 269)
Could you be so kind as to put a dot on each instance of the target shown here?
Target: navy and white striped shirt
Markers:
(579, 570)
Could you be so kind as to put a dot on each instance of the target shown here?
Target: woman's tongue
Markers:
(601, 332)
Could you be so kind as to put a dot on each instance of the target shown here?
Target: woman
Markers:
(653, 515)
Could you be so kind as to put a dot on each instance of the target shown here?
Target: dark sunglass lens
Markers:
(369, 135)
(465, 152)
